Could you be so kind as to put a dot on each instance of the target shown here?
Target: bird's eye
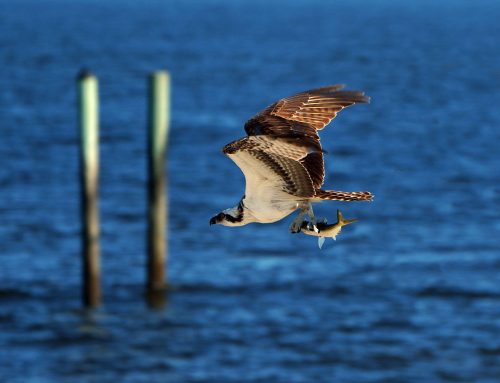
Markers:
(220, 216)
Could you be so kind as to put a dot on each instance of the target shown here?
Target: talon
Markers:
(313, 224)
(300, 223)
(295, 227)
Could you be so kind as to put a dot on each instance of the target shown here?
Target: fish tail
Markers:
(341, 220)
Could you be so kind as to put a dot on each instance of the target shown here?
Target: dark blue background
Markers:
(409, 293)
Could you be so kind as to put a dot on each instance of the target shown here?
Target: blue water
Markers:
(410, 293)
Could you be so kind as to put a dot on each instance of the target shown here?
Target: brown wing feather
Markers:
(292, 133)
(268, 125)
(296, 119)
(295, 176)
(314, 165)
(317, 107)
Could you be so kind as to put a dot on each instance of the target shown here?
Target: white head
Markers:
(235, 216)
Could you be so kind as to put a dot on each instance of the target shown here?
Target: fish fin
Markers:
(340, 217)
(321, 240)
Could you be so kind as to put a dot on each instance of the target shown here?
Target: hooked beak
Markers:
(216, 219)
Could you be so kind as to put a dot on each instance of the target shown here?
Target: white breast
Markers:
(264, 195)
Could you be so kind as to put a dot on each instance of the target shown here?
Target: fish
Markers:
(323, 230)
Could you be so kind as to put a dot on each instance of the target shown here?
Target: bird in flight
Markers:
(282, 159)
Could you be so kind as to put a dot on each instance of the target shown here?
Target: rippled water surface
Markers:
(410, 293)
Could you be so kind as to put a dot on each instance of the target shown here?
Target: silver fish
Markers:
(324, 230)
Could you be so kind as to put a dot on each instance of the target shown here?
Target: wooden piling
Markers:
(159, 123)
(88, 107)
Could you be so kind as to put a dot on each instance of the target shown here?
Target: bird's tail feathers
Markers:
(343, 196)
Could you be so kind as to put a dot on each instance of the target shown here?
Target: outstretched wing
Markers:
(282, 151)
(316, 107)
(297, 119)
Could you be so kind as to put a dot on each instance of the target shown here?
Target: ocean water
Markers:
(410, 293)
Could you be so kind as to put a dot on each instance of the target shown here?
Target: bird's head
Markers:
(235, 216)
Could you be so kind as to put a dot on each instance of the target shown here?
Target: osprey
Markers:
(282, 159)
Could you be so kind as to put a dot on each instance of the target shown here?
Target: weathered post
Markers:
(159, 120)
(88, 107)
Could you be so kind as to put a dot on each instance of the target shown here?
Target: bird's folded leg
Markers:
(296, 225)
(313, 222)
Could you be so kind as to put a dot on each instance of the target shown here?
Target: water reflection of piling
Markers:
(159, 116)
(88, 106)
